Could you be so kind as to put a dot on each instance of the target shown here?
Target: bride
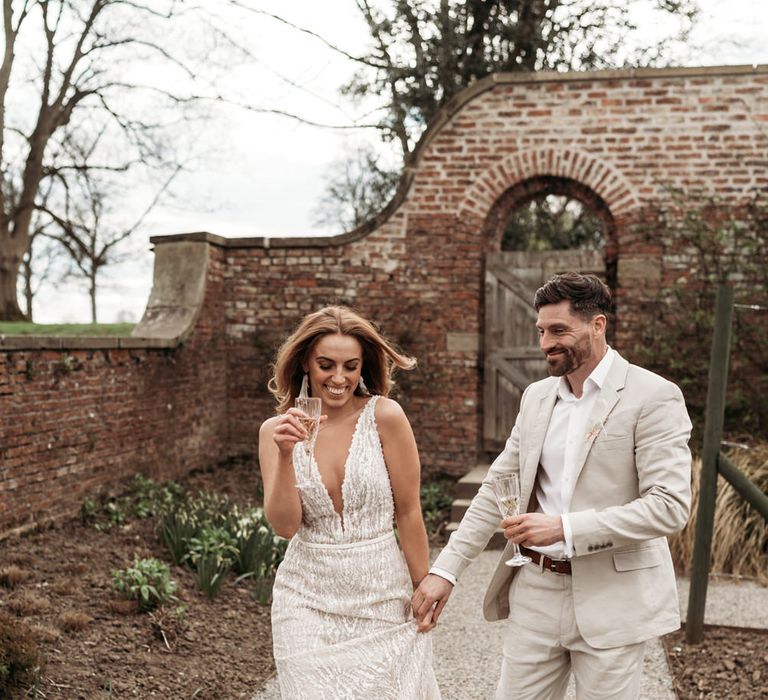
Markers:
(341, 620)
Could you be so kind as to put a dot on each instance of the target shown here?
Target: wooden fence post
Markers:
(713, 430)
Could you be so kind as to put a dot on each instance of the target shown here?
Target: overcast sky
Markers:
(263, 174)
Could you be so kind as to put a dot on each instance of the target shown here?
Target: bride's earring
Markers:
(304, 391)
(362, 387)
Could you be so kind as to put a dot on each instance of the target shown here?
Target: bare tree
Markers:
(84, 225)
(357, 186)
(81, 71)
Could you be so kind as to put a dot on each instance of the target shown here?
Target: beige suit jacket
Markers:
(632, 489)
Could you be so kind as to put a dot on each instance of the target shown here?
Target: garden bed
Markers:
(95, 644)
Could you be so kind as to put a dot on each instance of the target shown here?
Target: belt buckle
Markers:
(552, 565)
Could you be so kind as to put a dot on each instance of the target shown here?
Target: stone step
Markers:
(458, 508)
(466, 488)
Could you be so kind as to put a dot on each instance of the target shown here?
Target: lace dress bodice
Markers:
(367, 505)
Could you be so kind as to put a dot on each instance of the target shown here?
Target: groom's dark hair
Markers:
(588, 294)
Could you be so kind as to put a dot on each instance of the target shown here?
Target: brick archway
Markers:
(612, 187)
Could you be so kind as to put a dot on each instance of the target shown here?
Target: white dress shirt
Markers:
(565, 434)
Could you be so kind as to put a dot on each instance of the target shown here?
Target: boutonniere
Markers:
(596, 429)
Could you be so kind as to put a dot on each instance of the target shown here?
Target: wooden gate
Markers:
(512, 356)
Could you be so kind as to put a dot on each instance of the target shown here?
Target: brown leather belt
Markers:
(559, 566)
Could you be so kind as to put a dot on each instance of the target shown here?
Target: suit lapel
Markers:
(537, 430)
(606, 400)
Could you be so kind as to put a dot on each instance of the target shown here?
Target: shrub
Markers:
(27, 603)
(11, 576)
(168, 623)
(740, 536)
(44, 633)
(19, 654)
(66, 586)
(74, 621)
(148, 581)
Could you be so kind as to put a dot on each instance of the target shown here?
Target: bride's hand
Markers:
(288, 431)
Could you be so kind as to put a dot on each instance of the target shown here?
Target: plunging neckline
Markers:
(313, 462)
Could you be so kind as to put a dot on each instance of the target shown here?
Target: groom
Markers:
(601, 447)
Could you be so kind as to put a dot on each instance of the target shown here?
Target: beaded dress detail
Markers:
(341, 621)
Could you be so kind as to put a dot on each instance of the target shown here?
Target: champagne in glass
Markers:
(311, 408)
(507, 492)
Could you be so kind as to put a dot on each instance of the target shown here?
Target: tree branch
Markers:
(367, 61)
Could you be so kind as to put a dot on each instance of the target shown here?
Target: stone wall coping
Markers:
(49, 342)
(443, 116)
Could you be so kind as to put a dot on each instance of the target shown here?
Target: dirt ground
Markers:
(221, 649)
(731, 662)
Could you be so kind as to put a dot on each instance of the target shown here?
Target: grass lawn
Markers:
(59, 329)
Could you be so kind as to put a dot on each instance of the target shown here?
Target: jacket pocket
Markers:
(637, 559)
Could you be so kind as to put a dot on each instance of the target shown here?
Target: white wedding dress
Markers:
(341, 620)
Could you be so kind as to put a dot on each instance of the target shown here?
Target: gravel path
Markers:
(468, 649)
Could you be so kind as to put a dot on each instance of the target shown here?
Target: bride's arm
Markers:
(282, 505)
(402, 459)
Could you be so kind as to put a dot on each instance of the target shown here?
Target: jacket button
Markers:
(591, 548)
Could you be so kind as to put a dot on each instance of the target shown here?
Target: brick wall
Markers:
(82, 414)
(417, 270)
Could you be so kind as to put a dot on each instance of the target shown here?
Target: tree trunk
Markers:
(9, 274)
(93, 297)
(27, 263)
(11, 257)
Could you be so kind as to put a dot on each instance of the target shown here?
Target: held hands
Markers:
(533, 529)
(429, 599)
(289, 430)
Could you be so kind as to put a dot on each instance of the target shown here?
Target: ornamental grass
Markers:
(740, 535)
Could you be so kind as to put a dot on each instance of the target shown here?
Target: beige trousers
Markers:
(542, 646)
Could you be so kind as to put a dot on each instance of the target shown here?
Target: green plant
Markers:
(177, 526)
(88, 511)
(148, 581)
(212, 553)
(116, 510)
(262, 589)
(19, 654)
(254, 540)
(435, 504)
(149, 498)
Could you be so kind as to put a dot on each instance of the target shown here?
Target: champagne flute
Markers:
(311, 407)
(507, 492)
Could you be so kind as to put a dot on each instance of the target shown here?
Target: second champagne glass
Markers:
(507, 492)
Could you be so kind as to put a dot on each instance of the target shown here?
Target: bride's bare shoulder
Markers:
(388, 413)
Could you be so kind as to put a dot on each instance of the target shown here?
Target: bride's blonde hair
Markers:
(379, 356)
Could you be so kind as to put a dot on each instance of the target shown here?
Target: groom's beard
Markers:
(567, 360)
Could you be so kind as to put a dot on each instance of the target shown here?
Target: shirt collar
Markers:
(594, 382)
